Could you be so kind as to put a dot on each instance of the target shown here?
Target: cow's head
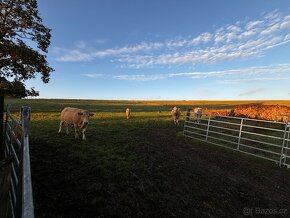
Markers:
(85, 115)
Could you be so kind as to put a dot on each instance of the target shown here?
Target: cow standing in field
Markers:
(175, 112)
(197, 113)
(79, 118)
(128, 112)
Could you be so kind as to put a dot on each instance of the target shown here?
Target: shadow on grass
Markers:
(143, 167)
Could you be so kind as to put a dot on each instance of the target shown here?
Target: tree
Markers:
(21, 29)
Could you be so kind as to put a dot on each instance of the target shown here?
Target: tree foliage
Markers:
(24, 41)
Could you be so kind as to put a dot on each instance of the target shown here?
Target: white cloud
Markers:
(239, 40)
(202, 38)
(172, 44)
(141, 77)
(80, 55)
(271, 29)
(243, 75)
(93, 75)
(231, 76)
(74, 55)
(253, 24)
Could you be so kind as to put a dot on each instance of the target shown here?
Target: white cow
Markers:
(128, 112)
(175, 112)
(197, 113)
(79, 118)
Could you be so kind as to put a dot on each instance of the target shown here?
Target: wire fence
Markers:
(261, 138)
(16, 145)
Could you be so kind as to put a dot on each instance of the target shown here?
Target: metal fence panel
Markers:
(16, 145)
(260, 138)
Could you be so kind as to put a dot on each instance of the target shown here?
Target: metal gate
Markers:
(16, 146)
(261, 138)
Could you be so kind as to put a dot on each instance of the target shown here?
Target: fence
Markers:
(261, 138)
(16, 145)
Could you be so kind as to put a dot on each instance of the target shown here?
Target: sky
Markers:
(167, 49)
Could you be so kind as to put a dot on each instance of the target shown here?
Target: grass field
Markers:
(143, 167)
(44, 105)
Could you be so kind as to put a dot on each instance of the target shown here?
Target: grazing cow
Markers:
(79, 118)
(197, 113)
(175, 112)
(128, 112)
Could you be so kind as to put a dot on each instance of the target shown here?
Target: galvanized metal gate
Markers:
(16, 145)
(261, 138)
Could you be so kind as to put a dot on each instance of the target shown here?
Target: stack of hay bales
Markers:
(262, 112)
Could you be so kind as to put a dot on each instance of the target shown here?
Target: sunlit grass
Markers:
(137, 105)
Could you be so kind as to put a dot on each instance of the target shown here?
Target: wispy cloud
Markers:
(127, 77)
(231, 76)
(78, 55)
(242, 39)
(94, 75)
(140, 77)
(256, 73)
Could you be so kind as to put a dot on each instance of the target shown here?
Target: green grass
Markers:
(42, 105)
(142, 167)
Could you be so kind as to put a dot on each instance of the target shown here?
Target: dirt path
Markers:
(161, 175)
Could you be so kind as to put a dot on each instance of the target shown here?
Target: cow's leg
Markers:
(66, 129)
(84, 131)
(60, 125)
(76, 131)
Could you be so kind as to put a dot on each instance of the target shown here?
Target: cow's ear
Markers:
(91, 114)
(79, 113)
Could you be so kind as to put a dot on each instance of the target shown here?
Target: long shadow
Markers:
(145, 168)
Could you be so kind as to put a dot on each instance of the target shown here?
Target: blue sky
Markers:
(157, 49)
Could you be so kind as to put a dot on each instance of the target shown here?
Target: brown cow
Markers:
(79, 118)
(175, 112)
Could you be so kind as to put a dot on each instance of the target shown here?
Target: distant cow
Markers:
(79, 118)
(128, 112)
(197, 113)
(175, 112)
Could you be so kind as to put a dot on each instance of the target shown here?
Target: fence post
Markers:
(240, 133)
(186, 120)
(286, 146)
(5, 126)
(282, 155)
(208, 123)
(27, 198)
